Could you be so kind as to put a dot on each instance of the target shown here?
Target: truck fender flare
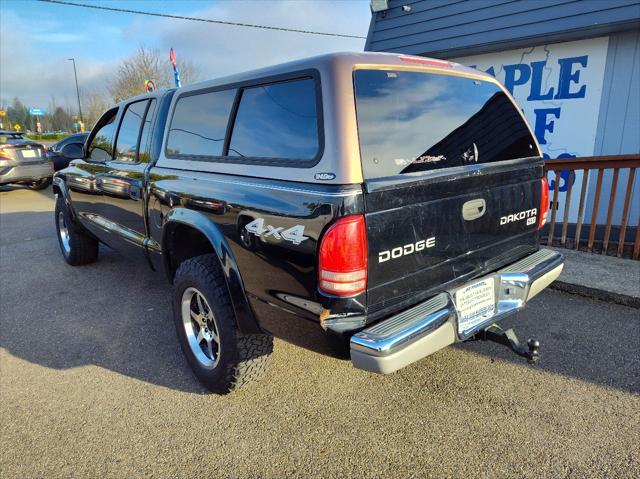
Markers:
(59, 187)
(245, 316)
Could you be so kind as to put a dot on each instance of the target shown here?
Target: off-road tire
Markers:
(40, 184)
(82, 249)
(244, 358)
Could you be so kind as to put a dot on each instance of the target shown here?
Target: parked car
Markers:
(23, 161)
(60, 160)
(393, 202)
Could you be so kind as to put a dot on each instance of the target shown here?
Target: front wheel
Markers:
(76, 247)
(221, 356)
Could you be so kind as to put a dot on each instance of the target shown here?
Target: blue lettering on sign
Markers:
(535, 94)
(566, 176)
(567, 77)
(542, 125)
(567, 88)
(510, 80)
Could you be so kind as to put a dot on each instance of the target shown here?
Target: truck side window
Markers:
(145, 137)
(278, 120)
(199, 124)
(129, 132)
(101, 147)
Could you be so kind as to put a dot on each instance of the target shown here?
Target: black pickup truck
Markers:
(393, 201)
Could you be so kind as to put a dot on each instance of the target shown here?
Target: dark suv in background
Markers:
(65, 150)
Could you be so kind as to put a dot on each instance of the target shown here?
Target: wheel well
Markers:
(181, 243)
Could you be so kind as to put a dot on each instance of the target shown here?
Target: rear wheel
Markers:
(40, 184)
(221, 356)
(77, 248)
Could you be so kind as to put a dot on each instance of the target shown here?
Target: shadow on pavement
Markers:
(590, 340)
(116, 314)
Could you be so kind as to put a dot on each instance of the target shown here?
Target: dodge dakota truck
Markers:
(393, 202)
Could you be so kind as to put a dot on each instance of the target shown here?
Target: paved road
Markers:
(93, 384)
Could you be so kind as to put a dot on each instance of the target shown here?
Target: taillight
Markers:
(342, 267)
(544, 201)
(4, 154)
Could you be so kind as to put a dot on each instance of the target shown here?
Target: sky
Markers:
(36, 39)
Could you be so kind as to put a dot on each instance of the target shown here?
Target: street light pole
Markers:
(77, 90)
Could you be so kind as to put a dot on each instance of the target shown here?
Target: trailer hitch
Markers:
(508, 338)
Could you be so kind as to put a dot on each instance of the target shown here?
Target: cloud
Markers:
(219, 50)
(32, 73)
(33, 62)
(58, 37)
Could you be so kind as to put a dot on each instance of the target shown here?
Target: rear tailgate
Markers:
(452, 182)
(420, 242)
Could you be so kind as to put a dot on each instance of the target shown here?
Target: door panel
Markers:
(123, 206)
(82, 175)
(122, 183)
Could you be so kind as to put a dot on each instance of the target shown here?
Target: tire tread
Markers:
(252, 352)
(84, 249)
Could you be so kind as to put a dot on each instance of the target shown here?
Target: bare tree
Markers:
(93, 106)
(146, 64)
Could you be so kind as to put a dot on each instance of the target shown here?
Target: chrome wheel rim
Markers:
(64, 233)
(200, 328)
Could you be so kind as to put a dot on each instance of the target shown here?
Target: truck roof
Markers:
(340, 60)
(348, 61)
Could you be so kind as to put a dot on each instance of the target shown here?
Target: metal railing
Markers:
(565, 171)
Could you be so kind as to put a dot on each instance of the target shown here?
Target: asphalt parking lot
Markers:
(93, 384)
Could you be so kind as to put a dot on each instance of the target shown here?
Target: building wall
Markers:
(618, 130)
(448, 28)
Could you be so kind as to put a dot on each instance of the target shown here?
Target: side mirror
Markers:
(73, 151)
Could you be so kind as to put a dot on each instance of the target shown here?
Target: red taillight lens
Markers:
(342, 267)
(544, 201)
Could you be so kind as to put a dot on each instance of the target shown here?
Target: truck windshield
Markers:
(415, 121)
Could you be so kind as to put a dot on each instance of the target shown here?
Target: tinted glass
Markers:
(143, 154)
(101, 148)
(413, 121)
(199, 124)
(129, 132)
(277, 121)
(13, 139)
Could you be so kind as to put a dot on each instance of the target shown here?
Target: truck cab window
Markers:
(279, 120)
(129, 132)
(101, 147)
(199, 124)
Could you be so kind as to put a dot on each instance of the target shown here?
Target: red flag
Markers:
(172, 57)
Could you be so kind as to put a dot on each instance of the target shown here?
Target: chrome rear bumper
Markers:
(424, 329)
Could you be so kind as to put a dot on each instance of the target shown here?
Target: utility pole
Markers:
(77, 90)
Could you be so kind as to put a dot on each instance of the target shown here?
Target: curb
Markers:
(595, 293)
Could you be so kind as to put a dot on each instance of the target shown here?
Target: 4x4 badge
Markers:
(295, 234)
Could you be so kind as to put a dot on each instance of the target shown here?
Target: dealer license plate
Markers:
(475, 304)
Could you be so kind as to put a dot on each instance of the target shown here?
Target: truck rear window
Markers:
(414, 121)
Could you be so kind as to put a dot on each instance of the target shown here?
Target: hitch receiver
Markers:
(508, 338)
